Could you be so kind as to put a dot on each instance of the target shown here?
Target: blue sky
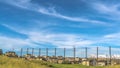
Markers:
(64, 23)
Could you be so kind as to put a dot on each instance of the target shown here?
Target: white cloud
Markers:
(68, 40)
(53, 12)
(103, 8)
(112, 39)
(8, 42)
(109, 11)
(26, 4)
(112, 36)
(59, 40)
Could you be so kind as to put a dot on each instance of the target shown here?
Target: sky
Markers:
(59, 24)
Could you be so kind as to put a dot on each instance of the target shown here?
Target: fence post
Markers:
(39, 52)
(86, 52)
(64, 54)
(97, 56)
(74, 50)
(27, 50)
(55, 56)
(110, 54)
(47, 53)
(32, 51)
(55, 52)
(86, 56)
(21, 52)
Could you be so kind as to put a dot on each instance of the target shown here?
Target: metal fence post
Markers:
(55, 52)
(55, 56)
(27, 50)
(74, 50)
(97, 56)
(86, 56)
(39, 52)
(86, 53)
(47, 53)
(32, 51)
(110, 54)
(64, 54)
(21, 52)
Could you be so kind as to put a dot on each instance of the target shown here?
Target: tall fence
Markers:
(108, 53)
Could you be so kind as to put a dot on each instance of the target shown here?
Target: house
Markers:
(93, 62)
(102, 63)
(99, 62)
(60, 61)
(11, 54)
(52, 59)
(39, 58)
(29, 57)
(85, 62)
(72, 60)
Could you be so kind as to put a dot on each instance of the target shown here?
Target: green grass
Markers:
(72, 66)
(6, 62)
(81, 66)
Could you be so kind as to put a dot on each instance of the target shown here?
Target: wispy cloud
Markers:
(112, 39)
(53, 12)
(27, 4)
(57, 40)
(14, 42)
(109, 11)
(68, 40)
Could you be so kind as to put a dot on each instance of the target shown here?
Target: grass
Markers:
(82, 66)
(6, 62)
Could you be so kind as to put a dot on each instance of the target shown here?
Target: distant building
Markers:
(29, 57)
(11, 54)
(60, 61)
(102, 63)
(85, 62)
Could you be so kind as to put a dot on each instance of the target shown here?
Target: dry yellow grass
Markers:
(6, 62)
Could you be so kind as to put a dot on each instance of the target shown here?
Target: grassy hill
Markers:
(6, 62)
